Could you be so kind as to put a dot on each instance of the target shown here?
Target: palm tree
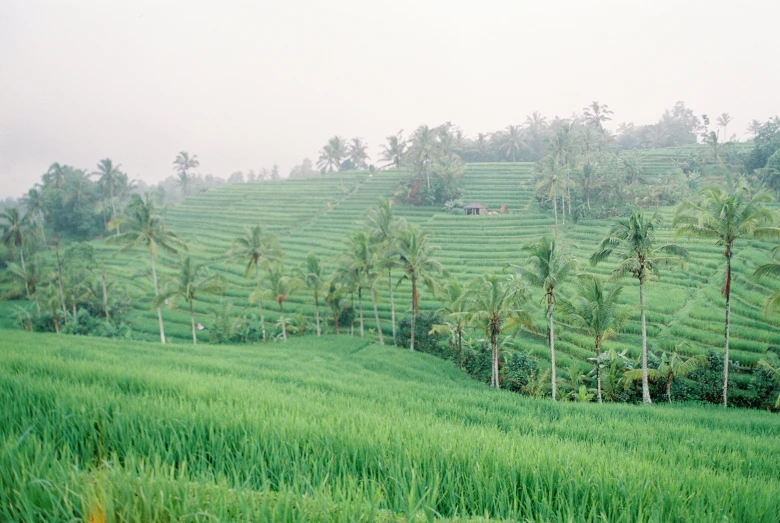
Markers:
(34, 208)
(361, 256)
(456, 309)
(15, 235)
(672, 366)
(548, 266)
(422, 151)
(257, 250)
(754, 127)
(108, 177)
(726, 218)
(514, 141)
(723, 121)
(595, 114)
(336, 302)
(550, 181)
(632, 240)
(393, 153)
(145, 228)
(332, 154)
(313, 277)
(357, 153)
(595, 311)
(384, 228)
(188, 286)
(415, 250)
(55, 175)
(496, 305)
(279, 287)
(588, 180)
(771, 269)
(182, 164)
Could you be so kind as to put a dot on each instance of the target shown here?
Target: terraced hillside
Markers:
(315, 215)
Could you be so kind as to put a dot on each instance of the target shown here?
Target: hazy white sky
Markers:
(247, 84)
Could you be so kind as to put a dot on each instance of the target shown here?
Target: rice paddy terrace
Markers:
(316, 215)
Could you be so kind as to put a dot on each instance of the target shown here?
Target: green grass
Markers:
(338, 429)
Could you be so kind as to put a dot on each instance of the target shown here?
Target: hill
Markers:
(315, 215)
(342, 429)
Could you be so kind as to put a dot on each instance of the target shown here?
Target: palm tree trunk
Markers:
(728, 324)
(552, 349)
(59, 281)
(360, 306)
(376, 316)
(414, 310)
(392, 305)
(317, 310)
(460, 347)
(284, 325)
(24, 271)
(43, 231)
(105, 292)
(157, 293)
(598, 372)
(645, 382)
(192, 321)
(352, 318)
(494, 361)
(260, 302)
(555, 207)
(669, 390)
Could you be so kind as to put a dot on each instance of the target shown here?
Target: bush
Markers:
(430, 343)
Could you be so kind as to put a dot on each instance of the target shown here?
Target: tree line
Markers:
(494, 306)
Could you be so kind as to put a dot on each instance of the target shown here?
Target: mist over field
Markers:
(249, 85)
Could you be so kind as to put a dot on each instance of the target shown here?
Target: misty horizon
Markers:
(248, 86)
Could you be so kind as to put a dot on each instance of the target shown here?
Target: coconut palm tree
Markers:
(771, 269)
(393, 153)
(595, 311)
(332, 154)
(191, 283)
(550, 180)
(313, 277)
(361, 256)
(496, 304)
(108, 177)
(422, 151)
(384, 228)
(456, 309)
(588, 179)
(548, 267)
(336, 301)
(278, 287)
(513, 141)
(55, 175)
(754, 127)
(672, 366)
(723, 122)
(16, 234)
(415, 250)
(182, 164)
(146, 228)
(35, 207)
(595, 114)
(257, 250)
(357, 152)
(632, 241)
(727, 217)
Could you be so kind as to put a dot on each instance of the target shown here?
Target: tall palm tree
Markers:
(456, 309)
(191, 283)
(336, 301)
(279, 287)
(313, 277)
(415, 250)
(672, 366)
(723, 122)
(257, 250)
(496, 305)
(357, 151)
(362, 256)
(595, 114)
(595, 311)
(35, 206)
(588, 179)
(393, 153)
(423, 150)
(332, 154)
(182, 165)
(550, 180)
(55, 175)
(16, 234)
(146, 228)
(384, 228)
(771, 269)
(513, 141)
(754, 127)
(108, 177)
(726, 218)
(548, 267)
(632, 241)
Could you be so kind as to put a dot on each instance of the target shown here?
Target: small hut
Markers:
(476, 208)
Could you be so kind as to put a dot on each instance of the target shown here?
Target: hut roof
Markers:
(475, 205)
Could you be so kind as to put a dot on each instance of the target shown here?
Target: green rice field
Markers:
(342, 429)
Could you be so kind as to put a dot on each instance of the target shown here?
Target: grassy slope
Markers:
(339, 429)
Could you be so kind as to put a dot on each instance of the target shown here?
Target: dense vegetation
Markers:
(345, 429)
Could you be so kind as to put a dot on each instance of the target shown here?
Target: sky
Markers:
(245, 85)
